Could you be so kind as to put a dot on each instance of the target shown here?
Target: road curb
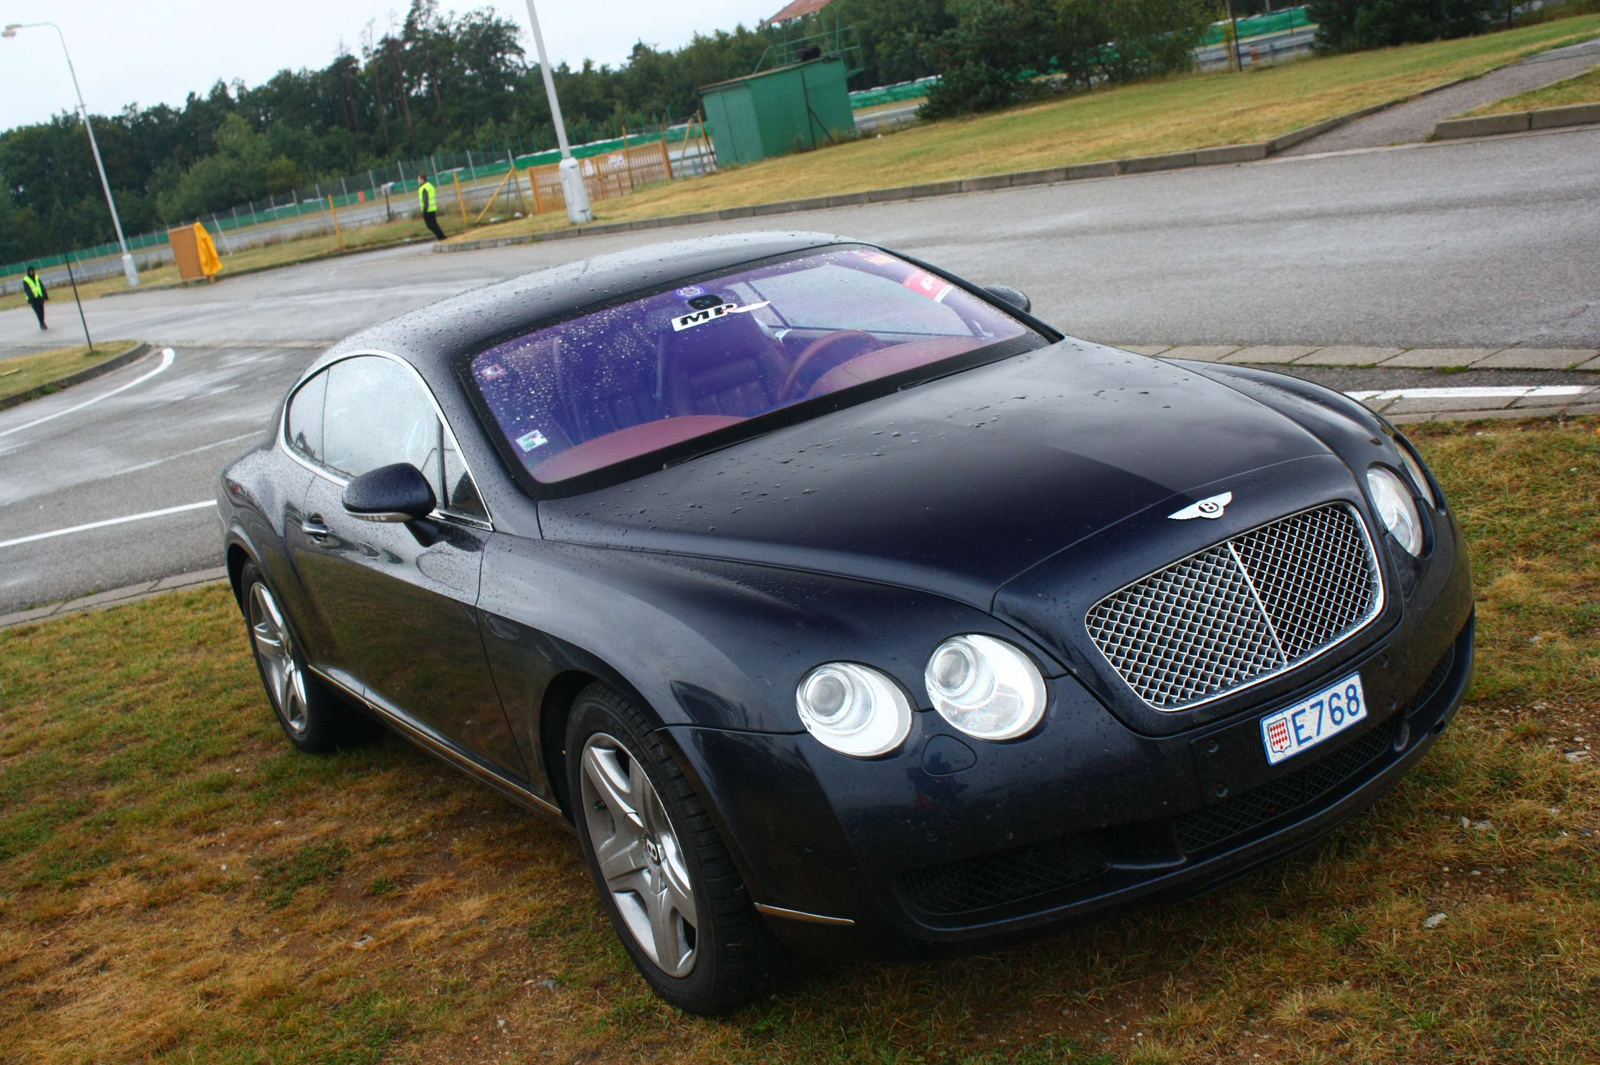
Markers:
(1586, 360)
(133, 354)
(1222, 155)
(133, 593)
(1518, 122)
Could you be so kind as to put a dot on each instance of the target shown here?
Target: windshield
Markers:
(655, 372)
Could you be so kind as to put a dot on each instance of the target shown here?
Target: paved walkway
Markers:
(1413, 122)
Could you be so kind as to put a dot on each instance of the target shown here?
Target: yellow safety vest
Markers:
(34, 286)
(429, 197)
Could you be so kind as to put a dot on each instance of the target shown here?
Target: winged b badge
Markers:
(1211, 507)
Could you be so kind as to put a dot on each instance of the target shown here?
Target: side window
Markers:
(303, 422)
(376, 415)
(461, 494)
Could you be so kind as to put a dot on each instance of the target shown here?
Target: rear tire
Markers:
(314, 719)
(665, 878)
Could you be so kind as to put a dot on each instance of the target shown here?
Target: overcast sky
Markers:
(157, 51)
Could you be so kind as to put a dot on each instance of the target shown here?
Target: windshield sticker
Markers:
(711, 314)
(492, 372)
(935, 288)
(876, 258)
(691, 290)
(532, 440)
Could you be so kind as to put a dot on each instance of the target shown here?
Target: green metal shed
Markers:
(772, 112)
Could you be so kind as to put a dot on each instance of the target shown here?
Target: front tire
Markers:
(664, 876)
(313, 718)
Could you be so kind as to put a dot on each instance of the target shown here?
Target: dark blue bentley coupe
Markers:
(842, 606)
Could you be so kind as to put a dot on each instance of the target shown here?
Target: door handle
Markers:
(314, 528)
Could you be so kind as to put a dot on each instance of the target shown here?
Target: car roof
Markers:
(432, 337)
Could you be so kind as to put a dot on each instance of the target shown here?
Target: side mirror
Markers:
(1014, 296)
(390, 493)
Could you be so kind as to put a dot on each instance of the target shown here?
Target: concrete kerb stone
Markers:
(1558, 117)
(1146, 164)
(986, 184)
(1233, 153)
(1534, 359)
(1592, 365)
(1483, 126)
(935, 188)
(1269, 354)
(1200, 352)
(116, 362)
(1347, 356)
(1518, 122)
(116, 597)
(1439, 358)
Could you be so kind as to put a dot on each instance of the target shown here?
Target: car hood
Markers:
(954, 486)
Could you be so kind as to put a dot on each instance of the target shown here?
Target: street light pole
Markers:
(573, 189)
(130, 271)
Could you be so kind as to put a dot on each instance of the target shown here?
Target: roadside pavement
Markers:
(1413, 122)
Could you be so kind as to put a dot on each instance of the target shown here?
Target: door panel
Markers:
(398, 599)
(401, 600)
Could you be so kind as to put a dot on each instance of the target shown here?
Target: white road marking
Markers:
(167, 355)
(257, 435)
(109, 521)
(1472, 392)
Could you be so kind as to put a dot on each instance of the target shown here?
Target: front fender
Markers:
(700, 642)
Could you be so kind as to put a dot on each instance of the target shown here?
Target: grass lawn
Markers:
(26, 372)
(1583, 89)
(177, 885)
(282, 254)
(1151, 118)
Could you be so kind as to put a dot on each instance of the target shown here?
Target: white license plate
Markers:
(1310, 721)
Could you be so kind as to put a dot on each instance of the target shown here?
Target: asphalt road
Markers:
(1475, 244)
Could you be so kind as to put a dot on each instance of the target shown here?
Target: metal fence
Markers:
(475, 183)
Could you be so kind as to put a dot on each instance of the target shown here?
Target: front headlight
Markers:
(854, 709)
(1395, 508)
(1418, 476)
(985, 687)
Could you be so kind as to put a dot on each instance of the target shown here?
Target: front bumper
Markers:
(952, 845)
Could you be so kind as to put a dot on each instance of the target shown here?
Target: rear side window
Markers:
(303, 420)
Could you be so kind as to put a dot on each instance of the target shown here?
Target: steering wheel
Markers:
(813, 349)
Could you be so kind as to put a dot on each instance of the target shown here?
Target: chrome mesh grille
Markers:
(1243, 610)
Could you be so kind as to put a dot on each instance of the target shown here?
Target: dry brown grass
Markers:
(177, 884)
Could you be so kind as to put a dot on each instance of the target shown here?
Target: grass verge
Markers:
(1173, 115)
(27, 372)
(285, 253)
(176, 884)
(1583, 89)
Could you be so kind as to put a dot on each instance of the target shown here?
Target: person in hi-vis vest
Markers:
(33, 288)
(428, 196)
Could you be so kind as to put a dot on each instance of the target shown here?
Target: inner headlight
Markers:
(985, 687)
(1396, 508)
(1418, 476)
(854, 709)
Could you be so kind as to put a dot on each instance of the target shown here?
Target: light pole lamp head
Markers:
(11, 30)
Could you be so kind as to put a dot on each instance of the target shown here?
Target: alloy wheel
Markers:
(286, 683)
(639, 855)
